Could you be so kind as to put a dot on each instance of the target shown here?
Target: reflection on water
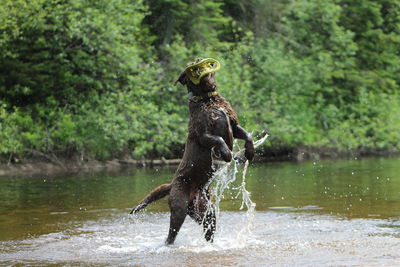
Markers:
(326, 212)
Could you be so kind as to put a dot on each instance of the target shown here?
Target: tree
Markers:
(376, 28)
(67, 50)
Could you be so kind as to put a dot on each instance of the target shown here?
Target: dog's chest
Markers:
(216, 114)
(220, 125)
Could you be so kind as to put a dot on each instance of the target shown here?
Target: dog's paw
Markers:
(226, 154)
(137, 208)
(249, 153)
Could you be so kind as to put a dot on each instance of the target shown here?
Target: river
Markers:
(328, 212)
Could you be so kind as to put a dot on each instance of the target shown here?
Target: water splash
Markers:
(224, 178)
(282, 238)
(246, 201)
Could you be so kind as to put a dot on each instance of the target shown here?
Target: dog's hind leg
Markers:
(157, 193)
(209, 223)
(178, 203)
(203, 212)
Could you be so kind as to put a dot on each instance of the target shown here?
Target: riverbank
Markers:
(52, 166)
(36, 167)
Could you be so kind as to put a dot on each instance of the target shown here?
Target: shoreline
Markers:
(39, 166)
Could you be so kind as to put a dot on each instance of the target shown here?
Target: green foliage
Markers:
(262, 17)
(282, 89)
(96, 79)
(9, 132)
(69, 50)
(199, 21)
(313, 89)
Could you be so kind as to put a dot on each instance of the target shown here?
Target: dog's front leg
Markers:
(240, 133)
(210, 141)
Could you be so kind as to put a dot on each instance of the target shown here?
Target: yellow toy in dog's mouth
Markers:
(197, 70)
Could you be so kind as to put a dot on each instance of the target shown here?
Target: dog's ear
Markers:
(182, 79)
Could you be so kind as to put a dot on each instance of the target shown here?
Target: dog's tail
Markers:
(157, 193)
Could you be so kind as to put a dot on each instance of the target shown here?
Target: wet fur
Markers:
(212, 126)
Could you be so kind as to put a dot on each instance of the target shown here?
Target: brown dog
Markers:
(213, 125)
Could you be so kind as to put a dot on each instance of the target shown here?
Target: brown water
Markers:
(335, 213)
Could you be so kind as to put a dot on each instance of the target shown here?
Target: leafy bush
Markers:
(96, 79)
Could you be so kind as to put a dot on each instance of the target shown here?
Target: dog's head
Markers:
(199, 76)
